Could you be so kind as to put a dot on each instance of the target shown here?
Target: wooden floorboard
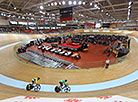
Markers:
(13, 67)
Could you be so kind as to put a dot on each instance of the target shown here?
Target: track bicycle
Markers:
(36, 87)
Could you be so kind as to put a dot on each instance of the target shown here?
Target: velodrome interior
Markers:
(20, 70)
(16, 68)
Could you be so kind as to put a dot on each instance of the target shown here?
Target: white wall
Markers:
(3, 21)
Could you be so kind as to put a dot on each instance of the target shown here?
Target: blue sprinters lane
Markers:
(74, 88)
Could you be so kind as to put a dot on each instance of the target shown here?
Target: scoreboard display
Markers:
(66, 14)
(106, 25)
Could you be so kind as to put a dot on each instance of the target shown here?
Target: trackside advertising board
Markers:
(115, 98)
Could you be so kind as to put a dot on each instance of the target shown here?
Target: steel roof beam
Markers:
(26, 4)
(1, 1)
(45, 2)
(10, 1)
(110, 4)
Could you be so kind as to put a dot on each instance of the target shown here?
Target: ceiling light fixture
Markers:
(53, 14)
(129, 9)
(52, 4)
(82, 15)
(40, 11)
(74, 2)
(95, 5)
(80, 2)
(70, 2)
(41, 7)
(63, 2)
(59, 3)
(130, 3)
(55, 3)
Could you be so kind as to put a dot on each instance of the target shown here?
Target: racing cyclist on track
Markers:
(35, 80)
(63, 82)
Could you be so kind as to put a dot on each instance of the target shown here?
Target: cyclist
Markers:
(63, 82)
(35, 80)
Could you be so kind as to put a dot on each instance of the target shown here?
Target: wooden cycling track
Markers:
(12, 67)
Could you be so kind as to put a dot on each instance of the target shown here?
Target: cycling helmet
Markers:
(65, 80)
(38, 78)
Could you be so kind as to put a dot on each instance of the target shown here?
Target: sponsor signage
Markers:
(86, 30)
(89, 25)
(95, 30)
(117, 31)
(131, 24)
(31, 23)
(106, 30)
(115, 98)
(22, 23)
(127, 32)
(66, 14)
(13, 22)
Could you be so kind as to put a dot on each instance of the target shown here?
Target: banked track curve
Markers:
(75, 88)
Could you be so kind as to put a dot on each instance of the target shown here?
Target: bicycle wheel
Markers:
(57, 89)
(37, 87)
(29, 87)
(67, 89)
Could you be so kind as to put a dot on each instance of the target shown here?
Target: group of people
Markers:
(24, 47)
(39, 43)
(6, 30)
(101, 39)
(32, 31)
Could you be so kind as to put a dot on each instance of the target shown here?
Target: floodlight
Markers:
(41, 7)
(74, 2)
(80, 2)
(130, 3)
(63, 2)
(70, 2)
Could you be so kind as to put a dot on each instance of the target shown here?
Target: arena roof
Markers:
(83, 10)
